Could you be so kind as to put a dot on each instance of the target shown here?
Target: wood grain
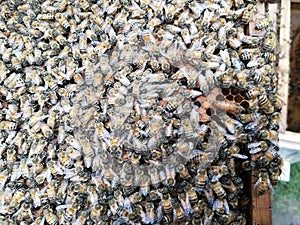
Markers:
(261, 205)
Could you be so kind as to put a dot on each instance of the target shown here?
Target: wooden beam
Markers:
(295, 1)
(284, 60)
(261, 205)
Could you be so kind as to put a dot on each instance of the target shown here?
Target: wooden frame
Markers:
(261, 205)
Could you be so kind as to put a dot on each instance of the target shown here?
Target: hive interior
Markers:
(135, 112)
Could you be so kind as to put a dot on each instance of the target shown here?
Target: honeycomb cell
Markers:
(245, 104)
(230, 97)
(225, 91)
(238, 98)
(220, 97)
(234, 91)
(210, 111)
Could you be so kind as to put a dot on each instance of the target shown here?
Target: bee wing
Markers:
(257, 182)
(61, 207)
(240, 156)
(252, 63)
(226, 206)
(159, 212)
(42, 222)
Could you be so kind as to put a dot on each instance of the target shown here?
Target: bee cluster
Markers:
(135, 112)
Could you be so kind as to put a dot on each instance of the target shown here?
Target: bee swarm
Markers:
(135, 112)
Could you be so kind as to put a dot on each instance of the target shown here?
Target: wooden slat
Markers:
(284, 61)
(295, 1)
(260, 211)
(261, 205)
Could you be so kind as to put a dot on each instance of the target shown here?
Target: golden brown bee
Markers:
(247, 54)
(266, 105)
(217, 188)
(254, 92)
(228, 106)
(265, 159)
(197, 219)
(221, 206)
(178, 212)
(51, 218)
(201, 178)
(62, 20)
(200, 158)
(263, 184)
(256, 147)
(270, 135)
(128, 184)
(242, 79)
(166, 201)
(247, 13)
(269, 43)
(65, 160)
(233, 151)
(248, 165)
(275, 173)
(270, 57)
(7, 125)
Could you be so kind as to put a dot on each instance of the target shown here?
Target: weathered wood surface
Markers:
(261, 205)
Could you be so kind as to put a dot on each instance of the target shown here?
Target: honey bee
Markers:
(154, 177)
(150, 216)
(65, 160)
(17, 198)
(61, 192)
(270, 135)
(16, 64)
(237, 64)
(269, 43)
(50, 217)
(4, 176)
(101, 130)
(254, 92)
(201, 178)
(38, 220)
(228, 106)
(261, 77)
(84, 5)
(7, 125)
(239, 4)
(248, 13)
(144, 185)
(221, 206)
(24, 212)
(263, 23)
(166, 201)
(200, 158)
(275, 121)
(263, 184)
(82, 217)
(256, 147)
(234, 151)
(266, 159)
(270, 57)
(6, 55)
(247, 54)
(62, 20)
(242, 78)
(218, 188)
(183, 172)
(265, 104)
